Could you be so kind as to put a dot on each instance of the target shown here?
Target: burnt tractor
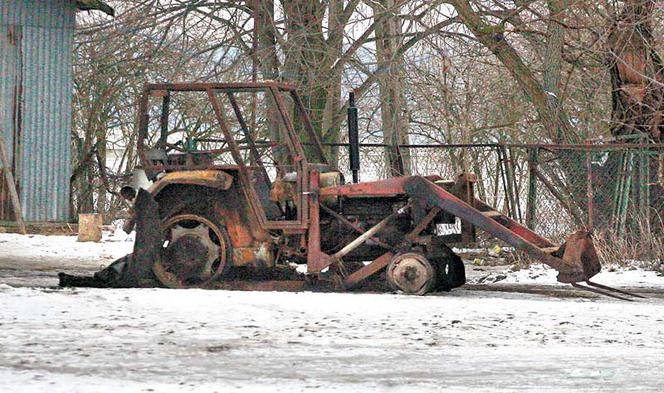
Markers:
(241, 207)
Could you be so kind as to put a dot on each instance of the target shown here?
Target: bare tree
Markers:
(637, 72)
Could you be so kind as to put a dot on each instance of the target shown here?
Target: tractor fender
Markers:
(242, 228)
(207, 178)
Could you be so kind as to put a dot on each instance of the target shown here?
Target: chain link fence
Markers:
(616, 189)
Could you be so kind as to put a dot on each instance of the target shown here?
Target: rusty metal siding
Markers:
(36, 85)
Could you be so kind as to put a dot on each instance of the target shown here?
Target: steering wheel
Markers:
(174, 146)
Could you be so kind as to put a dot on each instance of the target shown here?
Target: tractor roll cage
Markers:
(297, 159)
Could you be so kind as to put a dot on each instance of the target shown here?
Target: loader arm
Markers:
(502, 227)
(575, 260)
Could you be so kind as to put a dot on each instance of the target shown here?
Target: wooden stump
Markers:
(89, 227)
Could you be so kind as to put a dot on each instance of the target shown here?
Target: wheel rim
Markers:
(411, 273)
(194, 252)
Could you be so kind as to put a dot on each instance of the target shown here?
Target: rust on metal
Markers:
(375, 266)
(411, 273)
(516, 235)
(424, 223)
(316, 259)
(375, 189)
(208, 178)
(362, 238)
(353, 226)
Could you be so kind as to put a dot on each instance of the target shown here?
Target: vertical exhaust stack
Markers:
(353, 138)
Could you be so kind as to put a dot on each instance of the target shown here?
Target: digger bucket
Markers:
(579, 251)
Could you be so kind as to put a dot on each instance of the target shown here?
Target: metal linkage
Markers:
(594, 284)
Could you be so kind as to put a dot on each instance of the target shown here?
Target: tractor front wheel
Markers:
(411, 273)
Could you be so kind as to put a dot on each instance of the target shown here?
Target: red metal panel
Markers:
(380, 188)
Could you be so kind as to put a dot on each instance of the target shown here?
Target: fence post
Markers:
(644, 189)
(531, 208)
(625, 192)
(510, 182)
(501, 169)
(515, 190)
(589, 170)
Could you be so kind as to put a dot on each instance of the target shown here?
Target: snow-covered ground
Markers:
(96, 340)
(92, 340)
(540, 274)
(35, 259)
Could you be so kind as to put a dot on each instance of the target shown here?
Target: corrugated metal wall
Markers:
(36, 44)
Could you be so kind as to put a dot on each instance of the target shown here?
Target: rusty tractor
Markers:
(240, 208)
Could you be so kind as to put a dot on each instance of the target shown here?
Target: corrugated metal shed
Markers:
(36, 40)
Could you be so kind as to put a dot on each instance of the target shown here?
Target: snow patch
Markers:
(540, 274)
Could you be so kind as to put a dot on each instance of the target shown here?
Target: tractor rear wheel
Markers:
(196, 248)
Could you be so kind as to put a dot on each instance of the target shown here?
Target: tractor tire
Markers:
(449, 266)
(197, 249)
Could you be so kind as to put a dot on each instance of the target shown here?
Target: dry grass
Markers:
(642, 249)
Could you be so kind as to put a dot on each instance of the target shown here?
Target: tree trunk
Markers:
(393, 107)
(305, 54)
(268, 66)
(637, 79)
(553, 58)
(637, 73)
(330, 129)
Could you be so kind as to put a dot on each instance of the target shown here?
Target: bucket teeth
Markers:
(606, 290)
